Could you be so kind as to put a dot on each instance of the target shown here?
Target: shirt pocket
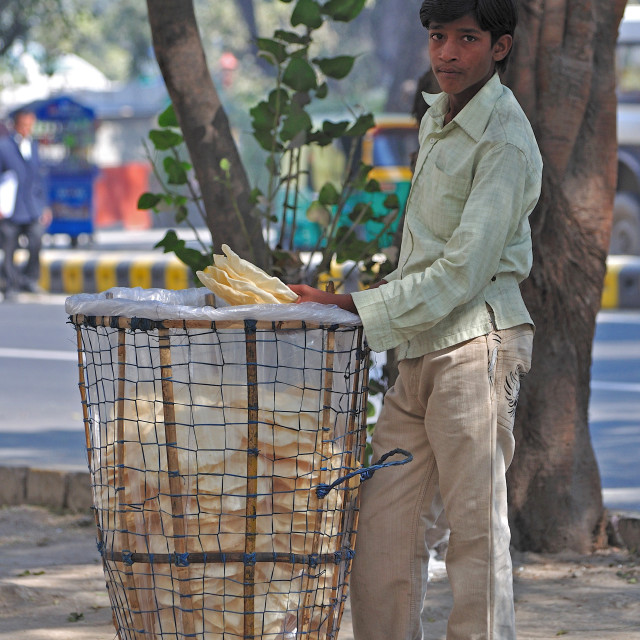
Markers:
(446, 196)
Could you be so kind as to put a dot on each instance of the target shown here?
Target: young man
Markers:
(454, 312)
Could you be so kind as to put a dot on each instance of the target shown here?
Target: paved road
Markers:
(614, 411)
(41, 420)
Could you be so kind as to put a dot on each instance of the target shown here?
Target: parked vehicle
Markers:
(625, 234)
(388, 147)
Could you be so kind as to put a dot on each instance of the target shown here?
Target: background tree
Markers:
(205, 127)
(18, 18)
(563, 73)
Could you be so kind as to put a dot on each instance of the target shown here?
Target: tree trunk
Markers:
(563, 75)
(205, 127)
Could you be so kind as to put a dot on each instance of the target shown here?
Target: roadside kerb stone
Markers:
(625, 526)
(72, 490)
(78, 491)
(45, 487)
(13, 485)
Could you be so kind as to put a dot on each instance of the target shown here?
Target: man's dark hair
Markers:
(21, 112)
(499, 17)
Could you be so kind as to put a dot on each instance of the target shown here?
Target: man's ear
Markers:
(502, 46)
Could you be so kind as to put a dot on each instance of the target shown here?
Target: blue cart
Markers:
(65, 131)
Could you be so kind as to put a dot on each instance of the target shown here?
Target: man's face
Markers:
(462, 56)
(24, 124)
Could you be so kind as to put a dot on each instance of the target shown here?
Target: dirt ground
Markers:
(52, 587)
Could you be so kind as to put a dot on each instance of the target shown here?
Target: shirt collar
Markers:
(475, 115)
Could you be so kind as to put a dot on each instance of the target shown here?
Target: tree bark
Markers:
(563, 74)
(204, 124)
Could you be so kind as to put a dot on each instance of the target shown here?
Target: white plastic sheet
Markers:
(191, 304)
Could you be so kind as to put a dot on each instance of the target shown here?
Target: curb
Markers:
(71, 490)
(95, 271)
(54, 489)
(622, 283)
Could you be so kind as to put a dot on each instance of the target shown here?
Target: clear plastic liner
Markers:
(192, 304)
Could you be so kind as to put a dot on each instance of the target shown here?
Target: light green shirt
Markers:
(466, 241)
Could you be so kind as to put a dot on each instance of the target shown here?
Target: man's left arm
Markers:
(499, 200)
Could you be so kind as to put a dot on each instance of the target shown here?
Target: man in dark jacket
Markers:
(27, 217)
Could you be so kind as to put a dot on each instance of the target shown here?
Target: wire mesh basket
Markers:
(224, 447)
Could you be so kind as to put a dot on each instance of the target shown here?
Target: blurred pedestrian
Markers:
(25, 214)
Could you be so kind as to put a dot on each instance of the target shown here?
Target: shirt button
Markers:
(493, 279)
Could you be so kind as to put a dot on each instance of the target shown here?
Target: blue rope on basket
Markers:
(323, 489)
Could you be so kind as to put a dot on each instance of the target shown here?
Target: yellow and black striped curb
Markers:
(622, 283)
(91, 272)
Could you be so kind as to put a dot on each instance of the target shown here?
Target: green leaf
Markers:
(181, 214)
(335, 129)
(322, 91)
(352, 249)
(362, 125)
(291, 37)
(168, 117)
(328, 194)
(361, 177)
(296, 122)
(262, 116)
(320, 138)
(299, 75)
(266, 140)
(391, 201)
(343, 10)
(164, 139)
(362, 212)
(338, 67)
(278, 101)
(225, 165)
(272, 166)
(169, 242)
(191, 257)
(148, 200)
(372, 186)
(255, 195)
(275, 52)
(307, 12)
(174, 170)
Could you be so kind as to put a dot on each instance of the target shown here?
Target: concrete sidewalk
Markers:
(52, 587)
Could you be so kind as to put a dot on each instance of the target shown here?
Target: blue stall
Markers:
(65, 131)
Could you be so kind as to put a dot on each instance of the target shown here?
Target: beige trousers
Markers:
(454, 411)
